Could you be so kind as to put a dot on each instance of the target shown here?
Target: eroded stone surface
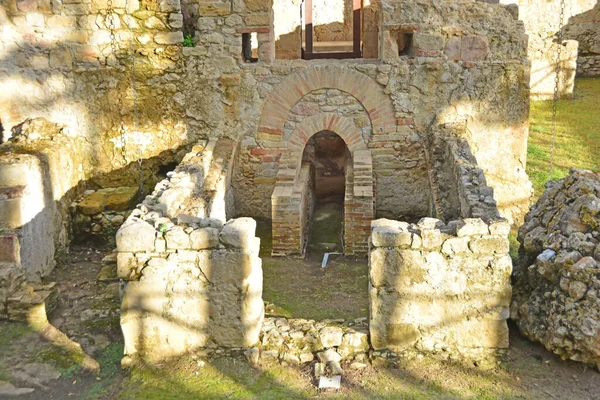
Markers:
(556, 283)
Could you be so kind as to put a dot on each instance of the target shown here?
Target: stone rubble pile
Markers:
(557, 284)
(301, 341)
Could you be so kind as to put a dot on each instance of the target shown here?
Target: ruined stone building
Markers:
(419, 107)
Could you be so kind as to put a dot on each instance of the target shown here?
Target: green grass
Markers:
(577, 140)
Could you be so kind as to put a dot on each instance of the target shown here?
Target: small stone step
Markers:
(33, 303)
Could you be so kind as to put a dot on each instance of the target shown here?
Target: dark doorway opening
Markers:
(329, 155)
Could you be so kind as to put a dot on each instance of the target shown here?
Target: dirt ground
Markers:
(89, 315)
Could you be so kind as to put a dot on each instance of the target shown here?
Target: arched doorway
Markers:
(329, 160)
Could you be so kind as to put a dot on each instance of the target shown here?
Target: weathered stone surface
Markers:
(204, 238)
(238, 233)
(550, 286)
(92, 204)
(136, 235)
(331, 336)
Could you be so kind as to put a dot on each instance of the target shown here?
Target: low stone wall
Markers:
(193, 280)
(189, 287)
(440, 289)
(299, 341)
(588, 65)
(557, 283)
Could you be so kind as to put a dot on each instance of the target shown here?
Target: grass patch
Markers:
(110, 371)
(577, 135)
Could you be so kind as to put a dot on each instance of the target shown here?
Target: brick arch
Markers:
(289, 163)
(291, 90)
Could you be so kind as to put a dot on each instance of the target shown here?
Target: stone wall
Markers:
(193, 280)
(585, 28)
(467, 69)
(440, 288)
(541, 19)
(556, 282)
(188, 287)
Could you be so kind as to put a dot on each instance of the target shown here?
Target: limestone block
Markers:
(258, 19)
(168, 37)
(456, 246)
(354, 342)
(228, 267)
(136, 235)
(546, 266)
(479, 333)
(390, 237)
(238, 233)
(331, 336)
(126, 266)
(431, 239)
(329, 355)
(471, 226)
(177, 238)
(167, 6)
(499, 228)
(204, 238)
(401, 336)
(396, 268)
(13, 174)
(489, 245)
(158, 326)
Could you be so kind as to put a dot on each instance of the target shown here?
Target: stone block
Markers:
(168, 38)
(136, 235)
(13, 174)
(177, 238)
(204, 238)
(473, 48)
(121, 199)
(331, 336)
(258, 19)
(92, 204)
(10, 250)
(259, 5)
(238, 233)
(455, 246)
(126, 266)
(390, 237)
(214, 9)
(11, 216)
(401, 336)
(489, 245)
(428, 42)
(471, 226)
